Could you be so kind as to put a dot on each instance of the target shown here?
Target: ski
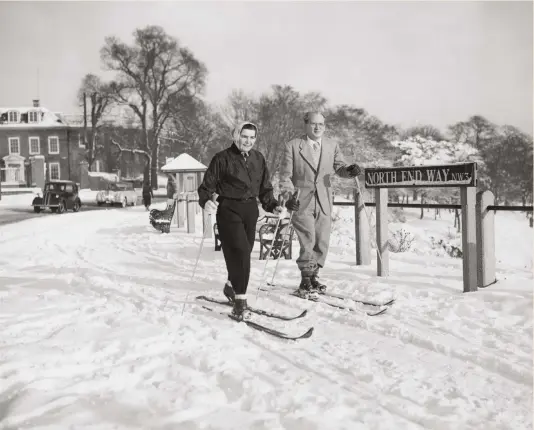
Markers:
(335, 296)
(257, 311)
(264, 329)
(317, 300)
(363, 302)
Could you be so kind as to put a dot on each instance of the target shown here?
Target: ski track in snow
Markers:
(92, 335)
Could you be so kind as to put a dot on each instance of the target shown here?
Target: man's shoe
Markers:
(317, 285)
(305, 289)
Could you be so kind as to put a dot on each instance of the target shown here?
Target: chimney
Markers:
(36, 103)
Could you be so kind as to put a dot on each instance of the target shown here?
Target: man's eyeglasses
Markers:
(316, 124)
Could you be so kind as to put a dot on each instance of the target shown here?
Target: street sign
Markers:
(445, 175)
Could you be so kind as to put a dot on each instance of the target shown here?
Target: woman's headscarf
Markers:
(236, 132)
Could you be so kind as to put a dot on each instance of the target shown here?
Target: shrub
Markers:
(451, 249)
(401, 241)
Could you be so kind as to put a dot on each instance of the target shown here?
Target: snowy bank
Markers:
(93, 336)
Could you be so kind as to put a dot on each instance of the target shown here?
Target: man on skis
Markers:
(307, 163)
(235, 178)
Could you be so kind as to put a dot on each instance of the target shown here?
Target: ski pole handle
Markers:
(295, 196)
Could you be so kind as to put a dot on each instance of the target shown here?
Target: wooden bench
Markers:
(283, 243)
(264, 231)
(218, 239)
(161, 219)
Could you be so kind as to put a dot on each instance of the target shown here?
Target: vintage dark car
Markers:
(58, 196)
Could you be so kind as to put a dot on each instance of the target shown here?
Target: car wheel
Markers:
(124, 202)
(76, 207)
(36, 209)
(61, 208)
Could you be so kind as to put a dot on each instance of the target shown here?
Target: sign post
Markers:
(462, 175)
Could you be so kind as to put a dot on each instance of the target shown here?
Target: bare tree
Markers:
(477, 131)
(362, 138)
(100, 100)
(239, 107)
(195, 128)
(280, 119)
(151, 75)
(427, 131)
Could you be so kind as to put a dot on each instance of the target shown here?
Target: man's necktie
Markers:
(316, 152)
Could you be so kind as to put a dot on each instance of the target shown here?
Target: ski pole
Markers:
(281, 247)
(296, 195)
(214, 200)
(368, 219)
(272, 242)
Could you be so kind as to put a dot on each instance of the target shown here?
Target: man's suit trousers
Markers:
(313, 231)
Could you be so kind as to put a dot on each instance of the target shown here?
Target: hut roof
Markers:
(183, 163)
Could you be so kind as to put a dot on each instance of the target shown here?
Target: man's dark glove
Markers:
(354, 170)
(293, 204)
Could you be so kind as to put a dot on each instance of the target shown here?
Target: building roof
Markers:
(47, 118)
(183, 163)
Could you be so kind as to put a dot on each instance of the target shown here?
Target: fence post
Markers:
(382, 248)
(180, 209)
(469, 246)
(485, 239)
(190, 200)
(361, 230)
(175, 213)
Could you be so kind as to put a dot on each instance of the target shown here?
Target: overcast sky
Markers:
(407, 63)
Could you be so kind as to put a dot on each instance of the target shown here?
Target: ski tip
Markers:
(201, 297)
(303, 314)
(378, 313)
(307, 334)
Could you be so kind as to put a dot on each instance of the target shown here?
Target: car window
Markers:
(68, 188)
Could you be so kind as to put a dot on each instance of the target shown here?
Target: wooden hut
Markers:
(187, 171)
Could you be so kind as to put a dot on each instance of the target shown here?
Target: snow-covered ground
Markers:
(99, 330)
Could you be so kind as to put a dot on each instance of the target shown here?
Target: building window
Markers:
(34, 144)
(14, 145)
(33, 116)
(97, 165)
(53, 145)
(54, 171)
(13, 116)
(81, 142)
